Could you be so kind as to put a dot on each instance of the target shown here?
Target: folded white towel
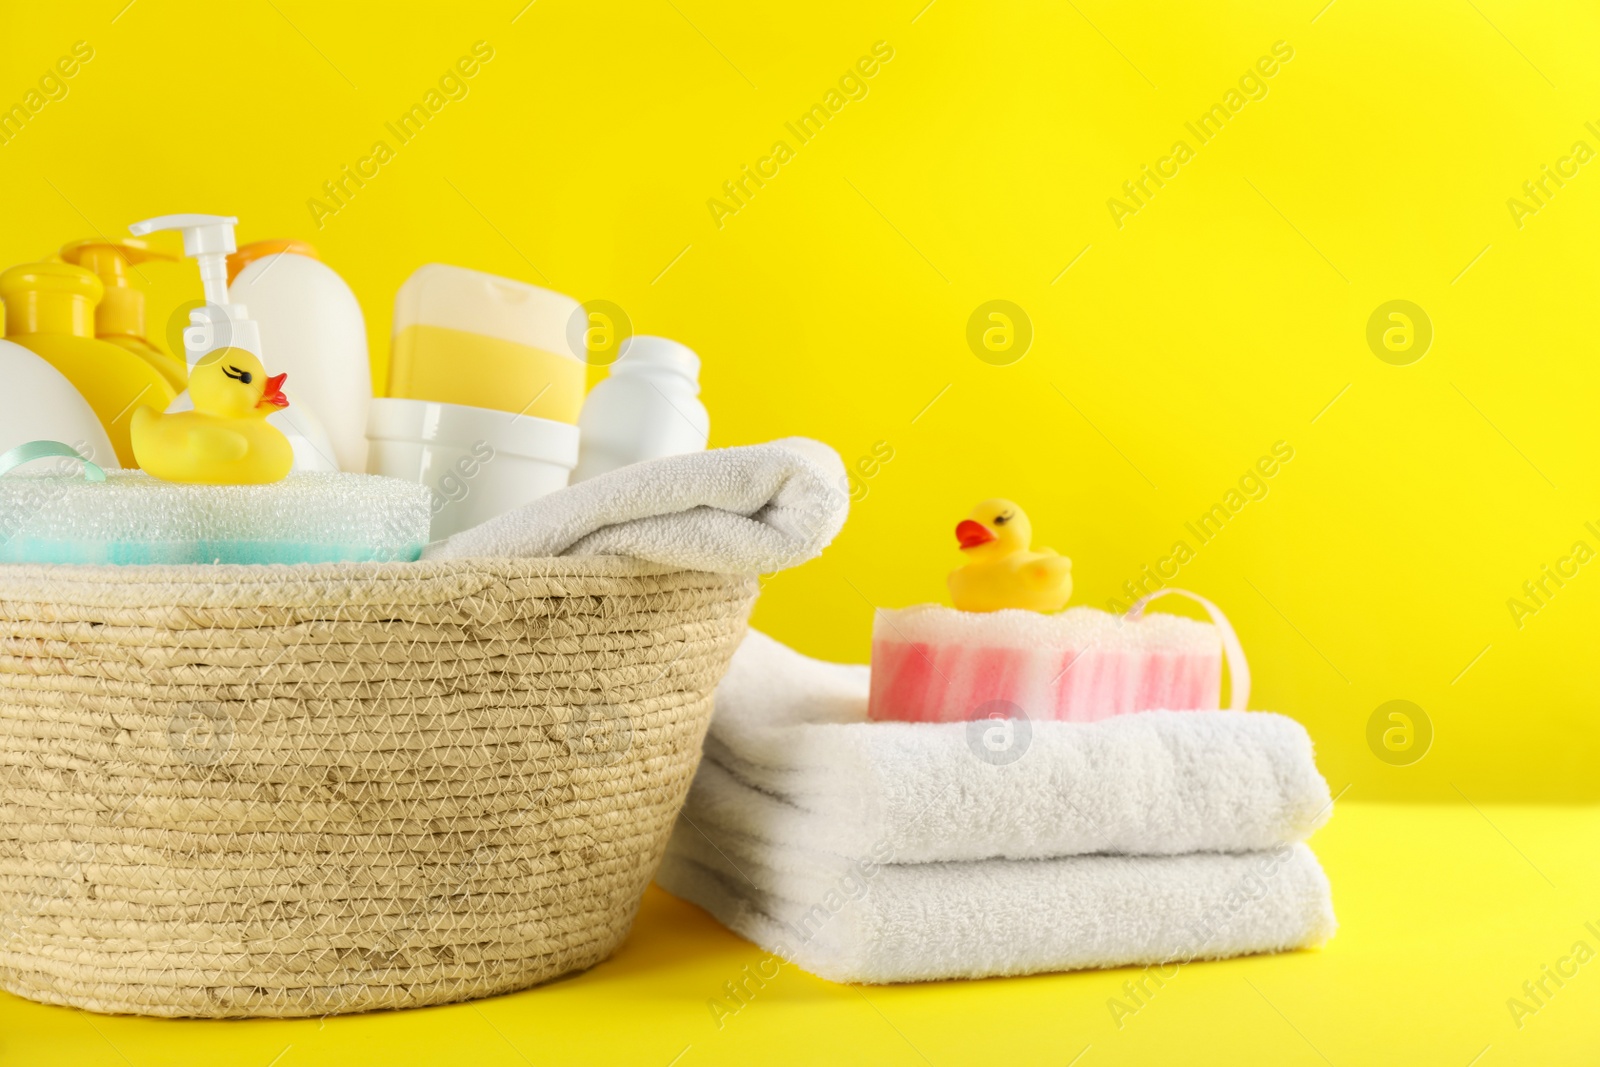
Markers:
(747, 510)
(865, 920)
(1153, 783)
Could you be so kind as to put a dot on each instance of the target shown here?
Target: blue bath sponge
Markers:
(131, 517)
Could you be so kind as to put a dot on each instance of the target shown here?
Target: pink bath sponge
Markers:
(935, 664)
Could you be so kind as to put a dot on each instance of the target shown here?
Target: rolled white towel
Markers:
(1153, 783)
(753, 509)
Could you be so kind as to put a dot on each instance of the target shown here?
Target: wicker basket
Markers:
(290, 791)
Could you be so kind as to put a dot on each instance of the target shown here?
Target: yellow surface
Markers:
(1445, 912)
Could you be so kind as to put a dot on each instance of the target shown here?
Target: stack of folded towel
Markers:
(893, 852)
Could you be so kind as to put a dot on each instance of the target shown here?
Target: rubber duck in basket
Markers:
(226, 439)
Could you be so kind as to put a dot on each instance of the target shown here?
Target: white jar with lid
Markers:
(477, 462)
(647, 408)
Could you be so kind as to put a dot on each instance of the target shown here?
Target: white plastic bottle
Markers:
(311, 326)
(647, 408)
(38, 403)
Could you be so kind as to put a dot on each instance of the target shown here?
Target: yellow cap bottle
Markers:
(120, 316)
(50, 310)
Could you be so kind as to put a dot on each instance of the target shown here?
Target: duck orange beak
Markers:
(272, 393)
(972, 534)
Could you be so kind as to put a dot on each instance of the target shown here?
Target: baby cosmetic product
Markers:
(219, 323)
(476, 462)
(120, 317)
(38, 402)
(483, 394)
(50, 310)
(647, 408)
(469, 338)
(311, 328)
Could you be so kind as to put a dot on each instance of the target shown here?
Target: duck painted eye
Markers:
(1001, 520)
(238, 375)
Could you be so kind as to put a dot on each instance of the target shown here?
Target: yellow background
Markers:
(1221, 318)
(1229, 313)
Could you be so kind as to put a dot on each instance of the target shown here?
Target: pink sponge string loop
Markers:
(1238, 666)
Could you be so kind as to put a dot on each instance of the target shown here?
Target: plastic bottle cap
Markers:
(121, 311)
(50, 298)
(208, 240)
(202, 234)
(248, 254)
(430, 423)
(643, 352)
(471, 301)
(110, 259)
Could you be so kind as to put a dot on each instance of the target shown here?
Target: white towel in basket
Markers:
(753, 509)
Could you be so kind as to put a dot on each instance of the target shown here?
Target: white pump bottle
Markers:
(208, 239)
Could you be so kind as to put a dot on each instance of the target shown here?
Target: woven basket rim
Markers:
(32, 589)
(253, 573)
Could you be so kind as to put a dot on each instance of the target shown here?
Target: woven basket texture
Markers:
(289, 791)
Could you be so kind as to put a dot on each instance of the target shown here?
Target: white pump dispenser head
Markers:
(208, 239)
